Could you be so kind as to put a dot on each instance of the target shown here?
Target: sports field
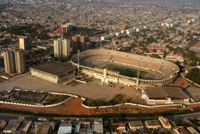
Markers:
(126, 71)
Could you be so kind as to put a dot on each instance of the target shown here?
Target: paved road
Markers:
(34, 118)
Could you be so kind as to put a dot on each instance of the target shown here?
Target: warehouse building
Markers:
(164, 95)
(54, 71)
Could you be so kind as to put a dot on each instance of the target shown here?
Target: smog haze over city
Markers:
(99, 66)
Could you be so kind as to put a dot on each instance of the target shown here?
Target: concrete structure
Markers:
(12, 127)
(43, 127)
(192, 130)
(62, 48)
(98, 126)
(54, 71)
(164, 95)
(65, 128)
(20, 62)
(25, 127)
(9, 62)
(2, 124)
(152, 124)
(134, 125)
(165, 123)
(24, 43)
(14, 62)
(91, 62)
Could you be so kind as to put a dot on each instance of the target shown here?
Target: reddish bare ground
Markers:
(180, 82)
(74, 107)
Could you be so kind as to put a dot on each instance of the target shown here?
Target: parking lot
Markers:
(92, 89)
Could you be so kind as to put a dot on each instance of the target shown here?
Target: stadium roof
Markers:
(165, 92)
(55, 68)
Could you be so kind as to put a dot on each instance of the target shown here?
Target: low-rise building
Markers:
(2, 124)
(98, 126)
(182, 130)
(43, 127)
(192, 130)
(65, 128)
(164, 95)
(152, 124)
(11, 127)
(121, 127)
(54, 71)
(134, 125)
(165, 123)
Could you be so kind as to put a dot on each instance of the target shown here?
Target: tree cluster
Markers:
(194, 75)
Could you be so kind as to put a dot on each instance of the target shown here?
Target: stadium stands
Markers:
(96, 57)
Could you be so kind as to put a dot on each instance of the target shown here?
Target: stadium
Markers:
(125, 68)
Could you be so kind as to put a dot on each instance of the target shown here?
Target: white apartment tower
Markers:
(61, 48)
(14, 62)
(20, 62)
(24, 43)
(9, 62)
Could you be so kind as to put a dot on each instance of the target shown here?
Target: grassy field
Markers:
(130, 72)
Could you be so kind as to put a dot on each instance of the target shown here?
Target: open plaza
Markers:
(92, 89)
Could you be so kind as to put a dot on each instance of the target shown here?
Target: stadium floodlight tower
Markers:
(78, 61)
(138, 79)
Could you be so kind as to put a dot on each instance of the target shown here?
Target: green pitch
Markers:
(130, 72)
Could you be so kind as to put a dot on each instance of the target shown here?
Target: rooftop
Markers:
(55, 68)
(152, 122)
(65, 128)
(194, 93)
(135, 123)
(12, 125)
(2, 124)
(165, 92)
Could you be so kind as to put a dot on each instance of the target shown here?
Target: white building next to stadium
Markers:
(164, 95)
(54, 71)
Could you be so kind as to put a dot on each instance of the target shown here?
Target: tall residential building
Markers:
(66, 48)
(14, 62)
(65, 28)
(79, 42)
(9, 62)
(20, 61)
(62, 48)
(57, 48)
(24, 43)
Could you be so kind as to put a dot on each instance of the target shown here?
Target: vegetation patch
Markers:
(194, 75)
(54, 99)
(117, 99)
